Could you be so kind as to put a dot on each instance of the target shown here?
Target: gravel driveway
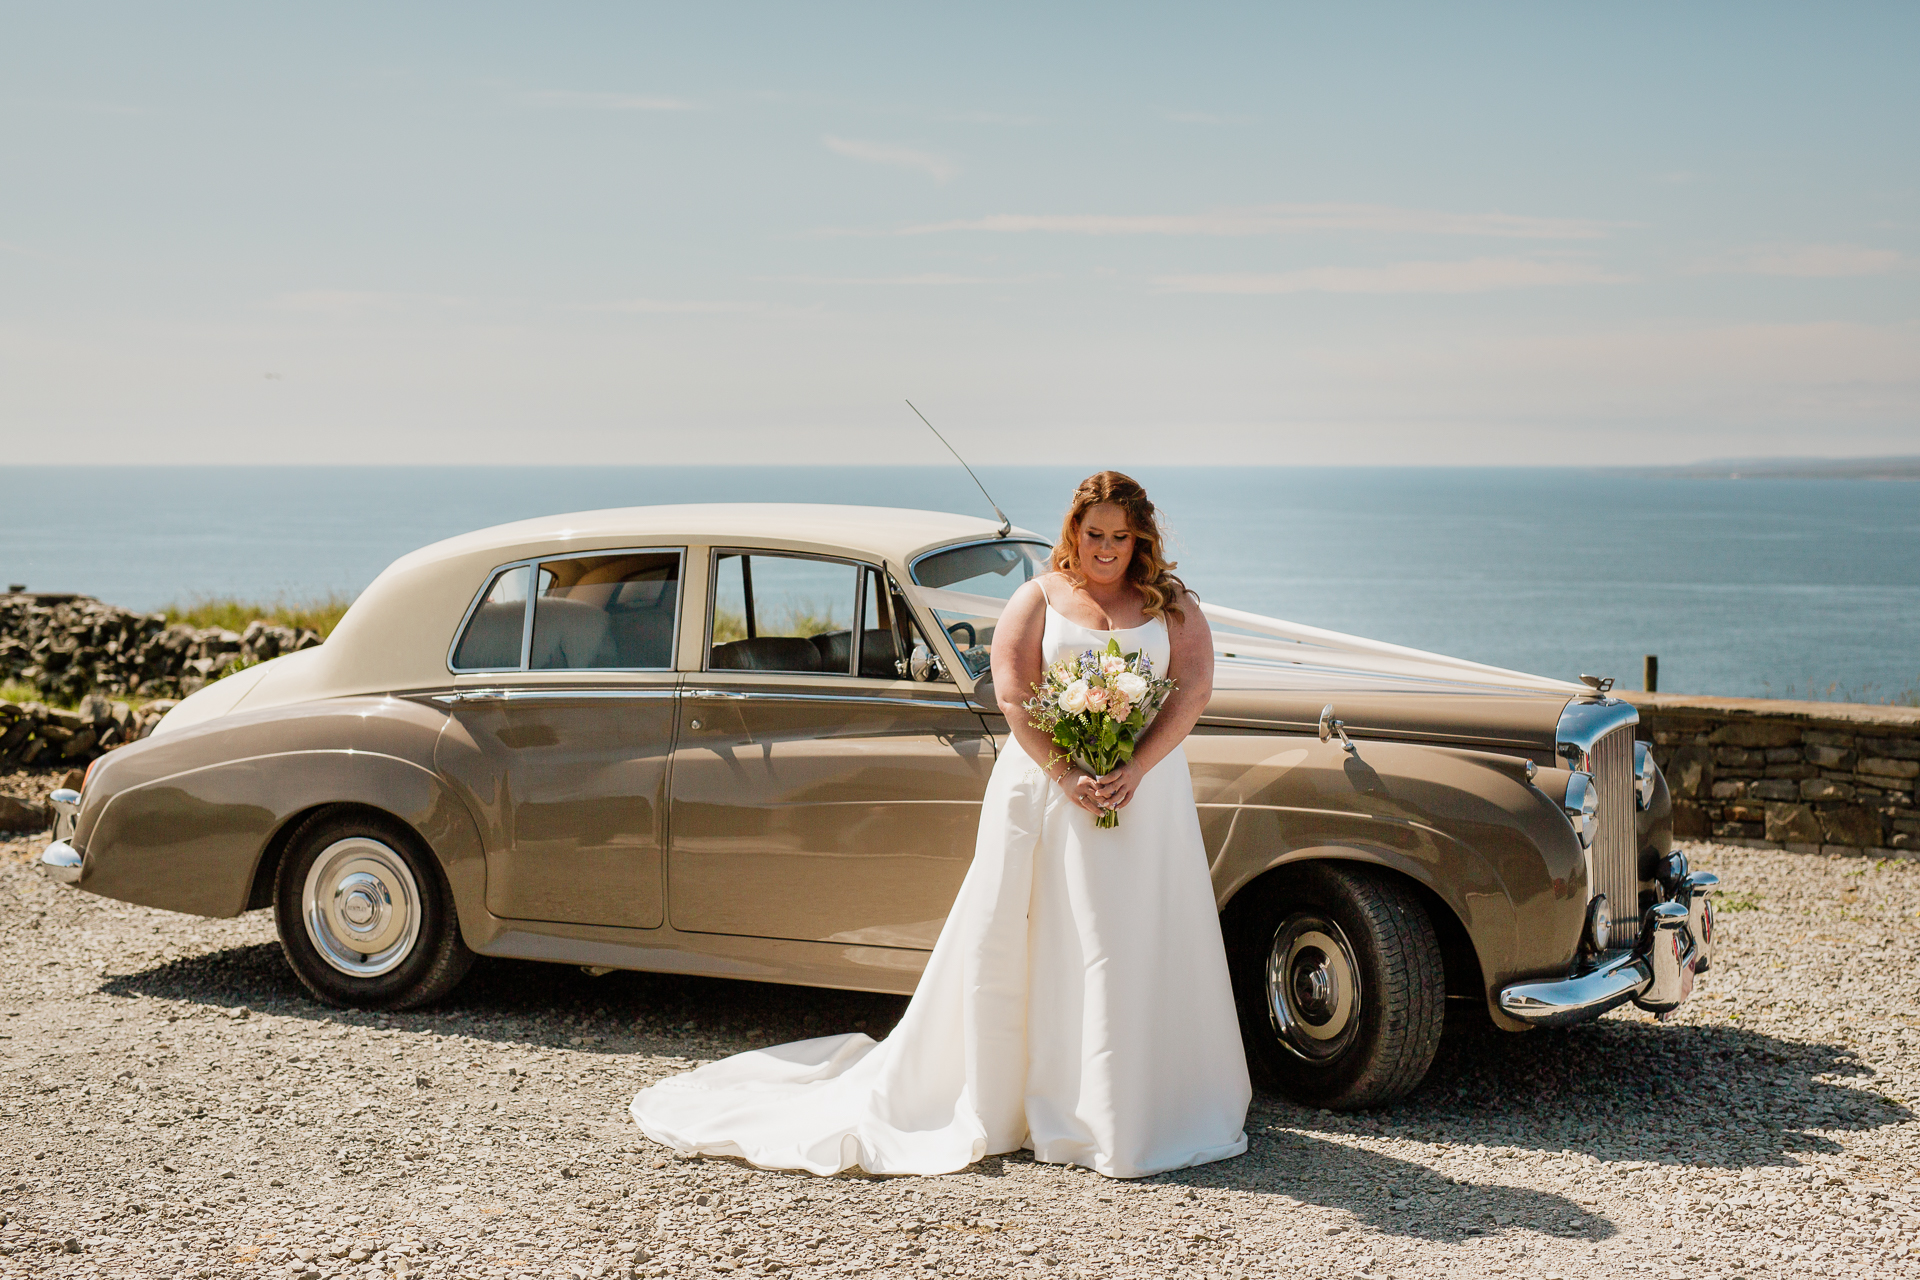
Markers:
(175, 1106)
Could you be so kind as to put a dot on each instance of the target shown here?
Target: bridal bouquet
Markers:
(1096, 707)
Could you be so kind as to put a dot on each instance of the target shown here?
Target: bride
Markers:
(1077, 1002)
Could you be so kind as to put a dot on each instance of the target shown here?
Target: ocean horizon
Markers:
(1758, 587)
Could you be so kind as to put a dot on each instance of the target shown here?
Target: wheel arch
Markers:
(1461, 950)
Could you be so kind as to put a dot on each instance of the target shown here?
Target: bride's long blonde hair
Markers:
(1149, 569)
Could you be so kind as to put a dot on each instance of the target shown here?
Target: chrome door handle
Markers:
(728, 694)
(474, 695)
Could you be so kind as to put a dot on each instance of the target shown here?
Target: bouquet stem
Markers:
(1108, 818)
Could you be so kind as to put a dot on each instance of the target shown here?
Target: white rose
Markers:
(1131, 686)
(1073, 698)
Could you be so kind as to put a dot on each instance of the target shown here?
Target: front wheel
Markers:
(1339, 982)
(366, 920)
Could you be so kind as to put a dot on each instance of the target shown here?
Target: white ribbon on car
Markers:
(1258, 638)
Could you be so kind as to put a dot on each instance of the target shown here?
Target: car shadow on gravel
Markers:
(1624, 1089)
(522, 1002)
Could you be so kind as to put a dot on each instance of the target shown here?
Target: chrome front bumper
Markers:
(61, 862)
(1675, 943)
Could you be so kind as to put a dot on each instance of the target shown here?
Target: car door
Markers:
(562, 728)
(817, 793)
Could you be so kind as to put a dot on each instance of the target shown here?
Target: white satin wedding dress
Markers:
(1076, 1004)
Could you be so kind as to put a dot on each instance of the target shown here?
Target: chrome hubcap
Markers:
(361, 907)
(1313, 988)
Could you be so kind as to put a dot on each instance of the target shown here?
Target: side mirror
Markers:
(925, 664)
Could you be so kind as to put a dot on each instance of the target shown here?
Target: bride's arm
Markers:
(1016, 669)
(1191, 668)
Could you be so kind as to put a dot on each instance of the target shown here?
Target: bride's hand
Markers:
(1115, 789)
(1079, 786)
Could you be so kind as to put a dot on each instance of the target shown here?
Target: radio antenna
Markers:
(1006, 525)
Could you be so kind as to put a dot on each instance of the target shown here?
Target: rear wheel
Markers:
(365, 917)
(1338, 977)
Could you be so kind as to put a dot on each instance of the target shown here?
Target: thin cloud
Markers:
(677, 307)
(1476, 275)
(1814, 261)
(607, 101)
(937, 167)
(1206, 117)
(342, 303)
(926, 278)
(1281, 219)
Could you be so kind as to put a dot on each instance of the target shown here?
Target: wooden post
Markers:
(1650, 675)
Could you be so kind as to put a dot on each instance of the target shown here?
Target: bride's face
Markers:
(1106, 544)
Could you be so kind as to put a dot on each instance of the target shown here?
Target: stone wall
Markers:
(1804, 776)
(120, 670)
(69, 646)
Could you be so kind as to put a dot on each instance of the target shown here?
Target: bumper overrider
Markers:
(1675, 943)
(61, 861)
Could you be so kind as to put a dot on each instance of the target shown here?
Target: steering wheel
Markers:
(973, 637)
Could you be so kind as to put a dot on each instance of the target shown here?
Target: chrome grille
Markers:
(1616, 861)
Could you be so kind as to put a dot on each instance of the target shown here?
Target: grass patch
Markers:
(1737, 900)
(321, 613)
(14, 691)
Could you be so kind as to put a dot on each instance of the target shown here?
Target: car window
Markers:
(606, 612)
(492, 638)
(782, 613)
(990, 570)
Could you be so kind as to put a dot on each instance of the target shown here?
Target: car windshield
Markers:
(967, 587)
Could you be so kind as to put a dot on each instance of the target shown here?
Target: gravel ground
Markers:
(175, 1106)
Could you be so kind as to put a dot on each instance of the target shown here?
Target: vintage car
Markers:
(750, 741)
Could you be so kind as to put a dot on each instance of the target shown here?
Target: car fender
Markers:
(182, 823)
(1468, 826)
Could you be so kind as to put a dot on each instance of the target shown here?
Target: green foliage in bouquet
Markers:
(1096, 707)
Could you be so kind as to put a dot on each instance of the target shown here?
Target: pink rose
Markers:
(1096, 700)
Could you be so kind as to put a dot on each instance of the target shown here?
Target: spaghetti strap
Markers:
(1040, 582)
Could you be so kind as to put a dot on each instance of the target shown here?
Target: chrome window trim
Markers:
(525, 694)
(532, 565)
(713, 600)
(782, 695)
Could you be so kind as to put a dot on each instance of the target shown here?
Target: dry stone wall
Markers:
(119, 670)
(70, 646)
(1804, 776)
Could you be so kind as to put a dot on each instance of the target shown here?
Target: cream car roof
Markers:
(398, 632)
(891, 533)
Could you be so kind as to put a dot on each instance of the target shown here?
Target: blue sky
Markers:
(1522, 233)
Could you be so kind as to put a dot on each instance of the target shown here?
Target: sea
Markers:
(1766, 587)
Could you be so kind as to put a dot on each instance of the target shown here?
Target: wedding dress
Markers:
(1076, 1004)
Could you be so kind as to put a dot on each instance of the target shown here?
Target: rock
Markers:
(74, 779)
(22, 815)
(1824, 789)
(94, 710)
(1792, 824)
(1731, 789)
(79, 744)
(1882, 767)
(1774, 789)
(1830, 757)
(1850, 824)
(1756, 733)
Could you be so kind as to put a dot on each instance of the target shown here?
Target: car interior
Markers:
(613, 612)
(757, 595)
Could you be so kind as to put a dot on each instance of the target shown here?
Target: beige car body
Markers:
(811, 828)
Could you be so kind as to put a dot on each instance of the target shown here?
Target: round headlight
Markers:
(1646, 773)
(1599, 923)
(1583, 807)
